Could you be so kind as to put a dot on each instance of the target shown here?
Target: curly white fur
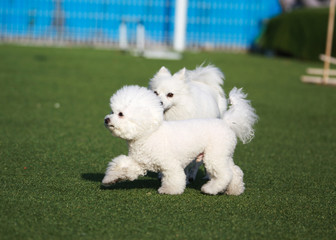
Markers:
(241, 116)
(169, 146)
(190, 94)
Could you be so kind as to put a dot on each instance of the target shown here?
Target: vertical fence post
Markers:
(140, 37)
(180, 25)
(123, 44)
(329, 41)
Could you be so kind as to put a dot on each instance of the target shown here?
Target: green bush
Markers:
(301, 34)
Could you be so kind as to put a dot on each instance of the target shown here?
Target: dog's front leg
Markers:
(122, 168)
(173, 181)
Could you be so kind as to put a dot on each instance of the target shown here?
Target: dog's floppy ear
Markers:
(163, 72)
(180, 74)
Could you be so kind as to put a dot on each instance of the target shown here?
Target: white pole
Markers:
(180, 25)
(140, 36)
(123, 44)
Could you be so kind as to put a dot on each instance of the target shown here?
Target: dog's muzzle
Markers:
(107, 122)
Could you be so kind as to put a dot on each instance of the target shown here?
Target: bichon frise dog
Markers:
(169, 146)
(190, 94)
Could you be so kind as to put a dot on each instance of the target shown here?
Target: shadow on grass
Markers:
(136, 184)
(149, 181)
(93, 177)
(197, 184)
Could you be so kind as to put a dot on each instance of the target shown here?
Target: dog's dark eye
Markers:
(156, 93)
(170, 95)
(120, 114)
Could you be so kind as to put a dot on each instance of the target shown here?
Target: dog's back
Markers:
(210, 79)
(205, 101)
(183, 140)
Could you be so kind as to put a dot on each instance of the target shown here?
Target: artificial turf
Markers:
(54, 150)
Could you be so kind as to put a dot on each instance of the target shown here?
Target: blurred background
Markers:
(162, 24)
(210, 24)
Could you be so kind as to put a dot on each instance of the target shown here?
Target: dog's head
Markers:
(170, 88)
(136, 111)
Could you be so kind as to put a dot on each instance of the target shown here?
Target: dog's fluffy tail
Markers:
(241, 115)
(213, 78)
(209, 75)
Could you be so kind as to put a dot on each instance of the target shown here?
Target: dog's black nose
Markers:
(107, 120)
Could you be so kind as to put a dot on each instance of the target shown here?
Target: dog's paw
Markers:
(235, 192)
(209, 189)
(109, 180)
(170, 191)
(235, 189)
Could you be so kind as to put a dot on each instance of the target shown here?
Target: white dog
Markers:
(169, 146)
(190, 94)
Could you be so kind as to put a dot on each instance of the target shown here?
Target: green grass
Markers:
(53, 159)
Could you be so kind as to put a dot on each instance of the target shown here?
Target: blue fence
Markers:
(210, 23)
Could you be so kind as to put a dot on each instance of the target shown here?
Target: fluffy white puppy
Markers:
(169, 146)
(190, 94)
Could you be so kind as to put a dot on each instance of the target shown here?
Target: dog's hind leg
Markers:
(236, 186)
(173, 181)
(220, 174)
